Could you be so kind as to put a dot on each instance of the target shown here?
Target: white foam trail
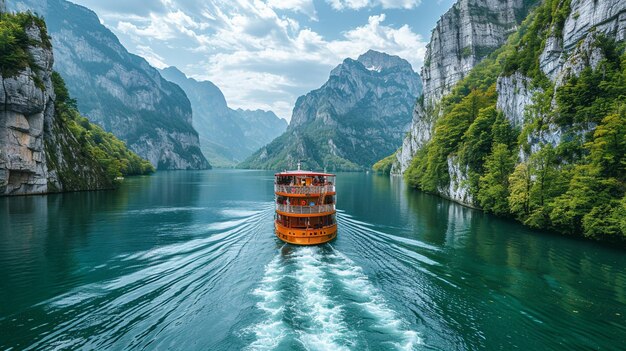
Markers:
(326, 329)
(372, 302)
(272, 330)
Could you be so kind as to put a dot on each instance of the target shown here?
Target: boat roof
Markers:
(303, 173)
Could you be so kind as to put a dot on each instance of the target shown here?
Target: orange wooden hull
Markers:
(306, 236)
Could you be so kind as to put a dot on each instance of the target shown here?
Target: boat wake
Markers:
(319, 299)
(272, 330)
(385, 320)
(324, 327)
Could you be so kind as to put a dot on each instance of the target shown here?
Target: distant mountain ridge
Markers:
(117, 90)
(357, 117)
(227, 136)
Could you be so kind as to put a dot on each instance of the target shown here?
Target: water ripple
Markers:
(133, 308)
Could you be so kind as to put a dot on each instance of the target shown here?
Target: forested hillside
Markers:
(560, 162)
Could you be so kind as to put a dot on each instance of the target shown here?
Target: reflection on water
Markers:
(188, 260)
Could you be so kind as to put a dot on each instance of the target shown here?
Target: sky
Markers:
(264, 54)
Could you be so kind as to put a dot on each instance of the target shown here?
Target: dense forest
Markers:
(575, 187)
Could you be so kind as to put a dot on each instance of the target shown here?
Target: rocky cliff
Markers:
(464, 35)
(118, 90)
(467, 33)
(227, 136)
(359, 115)
(37, 150)
(567, 52)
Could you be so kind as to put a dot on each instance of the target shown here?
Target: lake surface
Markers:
(189, 261)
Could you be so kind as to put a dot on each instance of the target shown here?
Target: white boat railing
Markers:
(303, 190)
(305, 209)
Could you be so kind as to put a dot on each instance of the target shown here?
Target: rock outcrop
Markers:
(464, 35)
(119, 91)
(515, 94)
(585, 19)
(457, 189)
(358, 116)
(26, 108)
(564, 56)
(227, 136)
(36, 149)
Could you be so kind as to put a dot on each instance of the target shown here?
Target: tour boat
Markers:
(305, 207)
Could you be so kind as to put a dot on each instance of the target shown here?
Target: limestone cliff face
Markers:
(117, 90)
(25, 109)
(464, 35)
(357, 117)
(586, 18)
(564, 55)
(35, 148)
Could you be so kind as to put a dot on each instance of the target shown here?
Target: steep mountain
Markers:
(117, 90)
(537, 130)
(359, 115)
(463, 36)
(45, 146)
(227, 136)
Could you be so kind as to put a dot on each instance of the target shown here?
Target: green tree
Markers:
(478, 138)
(520, 183)
(493, 190)
(608, 149)
(545, 186)
(448, 136)
(384, 165)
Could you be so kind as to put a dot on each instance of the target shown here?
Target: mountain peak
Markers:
(378, 61)
(374, 62)
(359, 113)
(174, 71)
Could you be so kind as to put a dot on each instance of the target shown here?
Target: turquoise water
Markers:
(188, 261)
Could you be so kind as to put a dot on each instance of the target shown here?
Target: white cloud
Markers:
(153, 58)
(303, 6)
(163, 27)
(386, 4)
(374, 35)
(273, 69)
